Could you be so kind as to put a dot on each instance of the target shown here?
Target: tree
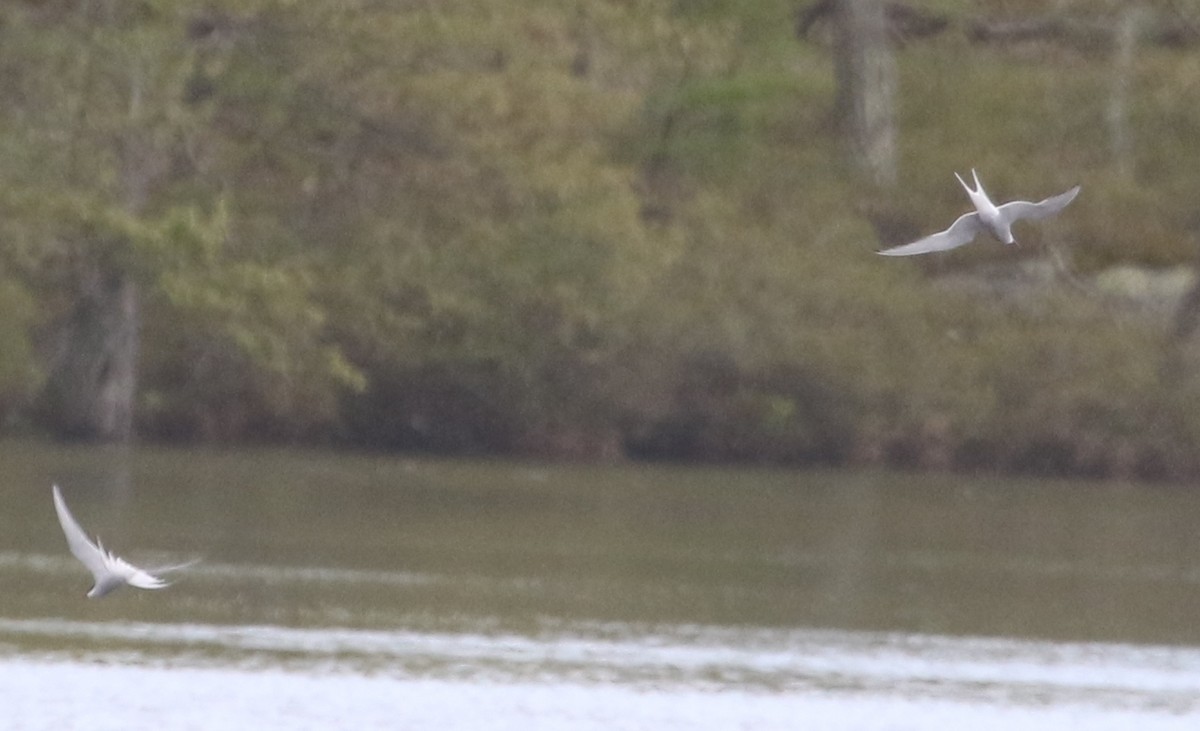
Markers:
(1125, 46)
(96, 101)
(116, 195)
(865, 71)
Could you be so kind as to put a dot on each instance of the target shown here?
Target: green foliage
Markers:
(468, 225)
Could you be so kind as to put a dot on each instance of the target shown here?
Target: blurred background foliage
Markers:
(605, 228)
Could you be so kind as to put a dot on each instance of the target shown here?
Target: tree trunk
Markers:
(1125, 45)
(92, 386)
(92, 383)
(865, 72)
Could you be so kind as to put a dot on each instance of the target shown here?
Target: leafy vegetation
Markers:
(590, 228)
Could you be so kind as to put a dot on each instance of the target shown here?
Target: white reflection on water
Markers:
(40, 696)
(579, 676)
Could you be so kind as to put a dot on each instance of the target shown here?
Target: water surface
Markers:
(375, 592)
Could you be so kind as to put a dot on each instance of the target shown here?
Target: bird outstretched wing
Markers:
(89, 554)
(962, 231)
(1017, 210)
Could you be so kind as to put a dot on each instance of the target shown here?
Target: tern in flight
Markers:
(110, 571)
(987, 216)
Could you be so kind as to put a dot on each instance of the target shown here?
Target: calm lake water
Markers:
(369, 592)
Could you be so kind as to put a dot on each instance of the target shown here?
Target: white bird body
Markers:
(109, 571)
(987, 216)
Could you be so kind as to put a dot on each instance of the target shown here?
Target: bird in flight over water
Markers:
(996, 220)
(110, 571)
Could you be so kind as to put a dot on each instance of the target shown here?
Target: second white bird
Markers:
(996, 220)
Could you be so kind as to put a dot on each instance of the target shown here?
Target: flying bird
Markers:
(996, 220)
(110, 571)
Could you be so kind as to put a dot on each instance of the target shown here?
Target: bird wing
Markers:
(91, 555)
(1017, 210)
(134, 576)
(103, 564)
(960, 232)
(150, 578)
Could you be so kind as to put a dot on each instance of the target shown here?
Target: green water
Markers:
(314, 539)
(369, 592)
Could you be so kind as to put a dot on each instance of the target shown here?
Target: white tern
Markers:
(109, 570)
(996, 220)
